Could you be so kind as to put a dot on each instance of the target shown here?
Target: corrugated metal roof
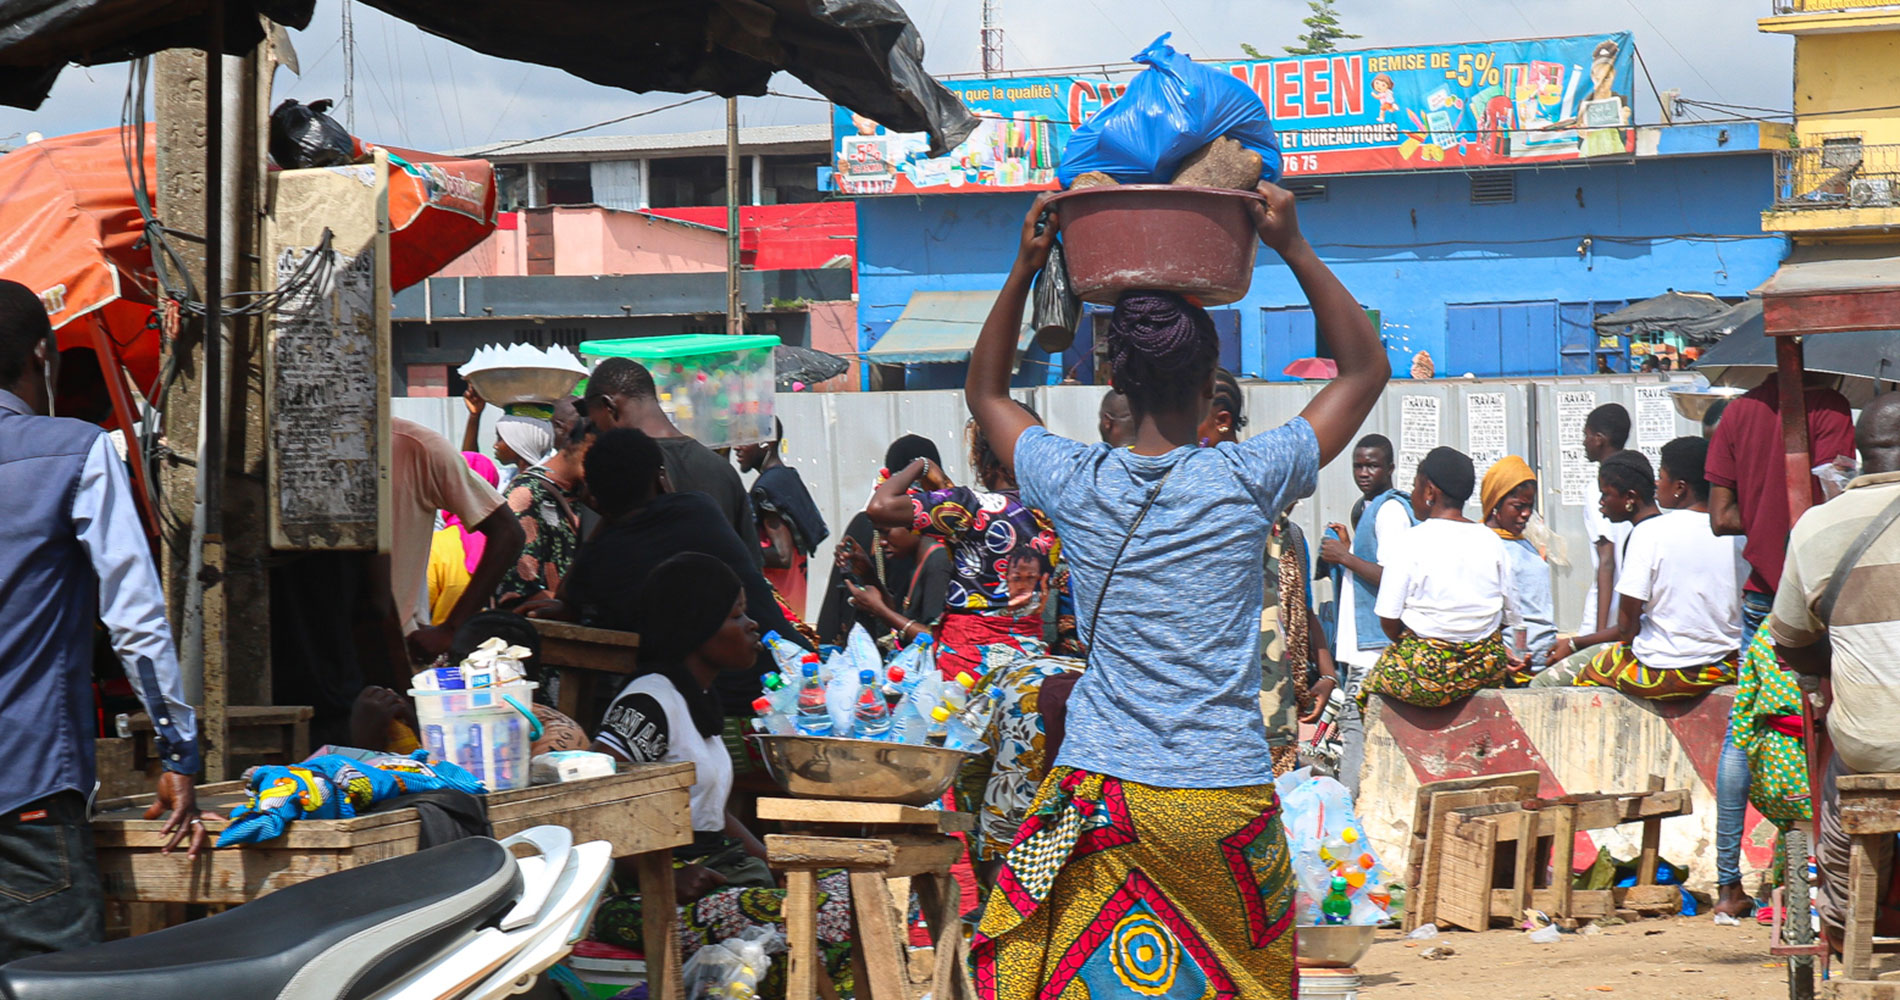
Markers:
(936, 327)
(708, 142)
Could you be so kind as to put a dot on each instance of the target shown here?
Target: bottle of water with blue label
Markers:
(872, 719)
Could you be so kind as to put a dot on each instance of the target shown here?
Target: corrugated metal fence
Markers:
(837, 442)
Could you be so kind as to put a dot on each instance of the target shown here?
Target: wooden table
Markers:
(1870, 810)
(873, 842)
(642, 811)
(587, 662)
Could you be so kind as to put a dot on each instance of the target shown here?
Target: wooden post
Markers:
(1652, 832)
(1864, 895)
(657, 926)
(735, 313)
(801, 933)
(1563, 848)
(1524, 871)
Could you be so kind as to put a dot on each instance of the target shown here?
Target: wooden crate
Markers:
(1469, 891)
(641, 809)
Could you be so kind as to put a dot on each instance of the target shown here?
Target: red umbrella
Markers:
(1313, 368)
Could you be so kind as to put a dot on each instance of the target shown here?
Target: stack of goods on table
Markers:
(856, 695)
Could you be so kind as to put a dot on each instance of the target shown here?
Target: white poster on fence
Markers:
(1484, 429)
(1418, 434)
(1579, 474)
(1655, 421)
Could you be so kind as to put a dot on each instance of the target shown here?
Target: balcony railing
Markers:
(1837, 175)
(1824, 6)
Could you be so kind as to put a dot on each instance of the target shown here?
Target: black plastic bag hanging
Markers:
(1055, 309)
(302, 135)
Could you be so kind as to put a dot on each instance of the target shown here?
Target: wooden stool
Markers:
(873, 842)
(1870, 810)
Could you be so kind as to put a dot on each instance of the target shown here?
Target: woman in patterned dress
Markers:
(1154, 862)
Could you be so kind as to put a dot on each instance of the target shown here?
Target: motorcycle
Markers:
(463, 920)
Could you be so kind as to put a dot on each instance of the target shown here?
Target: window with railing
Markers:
(1823, 6)
(1838, 172)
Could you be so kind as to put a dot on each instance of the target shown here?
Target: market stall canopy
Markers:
(862, 54)
(39, 37)
(1867, 361)
(1830, 289)
(71, 231)
(937, 328)
(1312, 368)
(1665, 313)
(1712, 328)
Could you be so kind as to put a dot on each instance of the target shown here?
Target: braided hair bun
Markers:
(1161, 348)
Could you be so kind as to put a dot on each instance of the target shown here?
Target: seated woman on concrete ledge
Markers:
(1678, 628)
(1445, 597)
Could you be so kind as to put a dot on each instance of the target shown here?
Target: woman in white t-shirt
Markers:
(1445, 596)
(693, 627)
(1679, 592)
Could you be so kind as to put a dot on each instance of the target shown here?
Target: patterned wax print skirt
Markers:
(999, 784)
(1765, 723)
(1433, 672)
(1616, 666)
(1119, 889)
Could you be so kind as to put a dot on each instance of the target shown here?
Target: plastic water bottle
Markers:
(771, 719)
(950, 732)
(1336, 908)
(863, 651)
(911, 657)
(814, 716)
(841, 693)
(872, 719)
(788, 655)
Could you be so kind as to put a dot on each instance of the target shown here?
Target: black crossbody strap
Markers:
(1852, 557)
(1095, 617)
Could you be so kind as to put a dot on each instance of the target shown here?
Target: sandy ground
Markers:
(1678, 958)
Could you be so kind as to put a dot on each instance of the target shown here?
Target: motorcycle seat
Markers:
(340, 937)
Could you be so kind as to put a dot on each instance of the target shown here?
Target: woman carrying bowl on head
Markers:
(1181, 879)
(693, 627)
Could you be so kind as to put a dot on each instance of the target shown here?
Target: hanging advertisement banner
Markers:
(1481, 104)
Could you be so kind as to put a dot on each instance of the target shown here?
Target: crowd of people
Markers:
(1144, 606)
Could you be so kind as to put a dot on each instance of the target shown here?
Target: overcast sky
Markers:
(414, 89)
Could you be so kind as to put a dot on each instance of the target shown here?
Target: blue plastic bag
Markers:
(1170, 110)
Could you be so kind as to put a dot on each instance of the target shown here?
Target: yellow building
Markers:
(1841, 182)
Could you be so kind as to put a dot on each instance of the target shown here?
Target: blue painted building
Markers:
(1494, 272)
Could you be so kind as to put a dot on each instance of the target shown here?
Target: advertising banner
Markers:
(1481, 104)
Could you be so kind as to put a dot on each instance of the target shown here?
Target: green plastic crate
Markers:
(719, 389)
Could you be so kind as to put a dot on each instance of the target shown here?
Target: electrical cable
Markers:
(1672, 47)
(490, 150)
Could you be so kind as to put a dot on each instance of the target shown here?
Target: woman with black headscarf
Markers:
(1446, 595)
(693, 623)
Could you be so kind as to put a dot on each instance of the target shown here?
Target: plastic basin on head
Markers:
(1192, 240)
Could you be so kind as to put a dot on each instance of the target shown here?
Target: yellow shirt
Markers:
(448, 573)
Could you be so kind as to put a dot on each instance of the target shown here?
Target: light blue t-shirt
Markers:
(1172, 694)
(1530, 588)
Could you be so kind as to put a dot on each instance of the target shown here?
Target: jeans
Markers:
(1755, 609)
(50, 895)
(1731, 811)
(1352, 731)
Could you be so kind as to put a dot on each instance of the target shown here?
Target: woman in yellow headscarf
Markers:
(1509, 497)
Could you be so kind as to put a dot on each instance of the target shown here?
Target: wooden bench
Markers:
(875, 843)
(1870, 810)
(585, 666)
(260, 734)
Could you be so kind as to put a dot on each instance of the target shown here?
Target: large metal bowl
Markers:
(509, 386)
(825, 767)
(1693, 401)
(1334, 946)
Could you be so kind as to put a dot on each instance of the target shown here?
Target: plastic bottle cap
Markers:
(1339, 883)
(867, 676)
(810, 658)
(1350, 835)
(940, 713)
(770, 636)
(967, 680)
(923, 639)
(762, 705)
(897, 675)
(811, 667)
(773, 681)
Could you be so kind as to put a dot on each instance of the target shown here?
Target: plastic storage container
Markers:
(485, 730)
(717, 388)
(1192, 240)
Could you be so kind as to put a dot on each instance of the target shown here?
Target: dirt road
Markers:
(1682, 958)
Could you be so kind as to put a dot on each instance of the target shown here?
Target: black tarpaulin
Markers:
(863, 54)
(39, 37)
(1665, 313)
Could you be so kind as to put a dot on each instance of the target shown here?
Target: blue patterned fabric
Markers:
(333, 786)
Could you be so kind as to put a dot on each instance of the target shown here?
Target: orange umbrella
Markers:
(70, 231)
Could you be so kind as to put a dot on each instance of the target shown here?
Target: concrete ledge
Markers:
(1579, 740)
